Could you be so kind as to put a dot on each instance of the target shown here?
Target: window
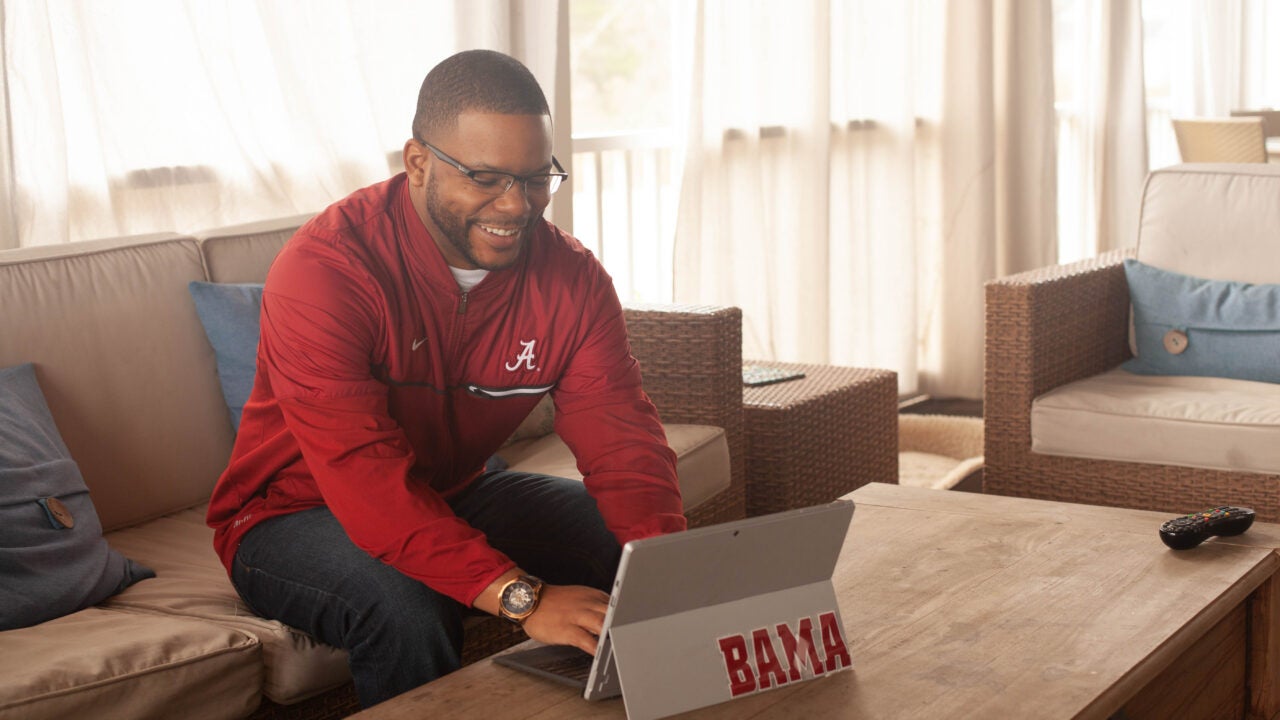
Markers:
(625, 106)
(1199, 59)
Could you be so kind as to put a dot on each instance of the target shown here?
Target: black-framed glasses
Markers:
(496, 182)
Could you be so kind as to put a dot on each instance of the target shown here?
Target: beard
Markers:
(456, 230)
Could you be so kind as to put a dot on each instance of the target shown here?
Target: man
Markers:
(406, 332)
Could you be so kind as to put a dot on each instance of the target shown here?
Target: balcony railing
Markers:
(625, 194)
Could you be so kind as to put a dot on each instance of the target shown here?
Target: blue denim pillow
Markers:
(229, 314)
(1191, 326)
(53, 559)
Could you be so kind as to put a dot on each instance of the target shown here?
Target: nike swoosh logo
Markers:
(418, 343)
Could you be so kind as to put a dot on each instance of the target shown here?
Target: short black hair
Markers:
(475, 80)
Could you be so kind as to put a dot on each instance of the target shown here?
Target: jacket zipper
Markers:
(455, 342)
(452, 375)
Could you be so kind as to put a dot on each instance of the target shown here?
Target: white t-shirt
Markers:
(468, 279)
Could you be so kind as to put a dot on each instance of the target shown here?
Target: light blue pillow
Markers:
(53, 559)
(1185, 325)
(229, 313)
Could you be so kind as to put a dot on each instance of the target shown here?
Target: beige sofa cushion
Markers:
(1202, 422)
(243, 253)
(1192, 214)
(702, 460)
(191, 582)
(109, 663)
(124, 364)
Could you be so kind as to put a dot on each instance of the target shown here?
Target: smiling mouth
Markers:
(500, 232)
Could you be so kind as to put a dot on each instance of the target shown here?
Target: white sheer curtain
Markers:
(8, 194)
(752, 226)
(997, 188)
(852, 188)
(1210, 69)
(139, 116)
(1117, 121)
(1206, 58)
(1103, 151)
(1261, 72)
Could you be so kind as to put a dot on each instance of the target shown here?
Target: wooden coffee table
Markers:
(959, 605)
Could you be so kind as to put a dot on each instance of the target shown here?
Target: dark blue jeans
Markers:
(303, 570)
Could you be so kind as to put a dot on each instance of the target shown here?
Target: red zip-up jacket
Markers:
(381, 389)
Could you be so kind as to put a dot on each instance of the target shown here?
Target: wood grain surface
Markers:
(959, 605)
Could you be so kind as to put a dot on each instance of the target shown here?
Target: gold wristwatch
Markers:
(519, 598)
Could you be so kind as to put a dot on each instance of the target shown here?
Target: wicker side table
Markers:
(811, 440)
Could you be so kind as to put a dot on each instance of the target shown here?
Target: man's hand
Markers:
(568, 615)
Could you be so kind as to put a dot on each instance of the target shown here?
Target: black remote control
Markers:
(1188, 531)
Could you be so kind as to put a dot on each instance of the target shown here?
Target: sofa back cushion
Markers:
(124, 365)
(243, 253)
(1218, 222)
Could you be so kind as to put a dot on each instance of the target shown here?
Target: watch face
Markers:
(518, 598)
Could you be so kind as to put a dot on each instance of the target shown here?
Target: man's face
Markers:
(472, 227)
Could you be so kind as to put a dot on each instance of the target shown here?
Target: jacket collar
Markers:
(424, 258)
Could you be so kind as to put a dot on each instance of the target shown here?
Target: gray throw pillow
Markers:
(53, 558)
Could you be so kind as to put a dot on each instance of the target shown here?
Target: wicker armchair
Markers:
(1058, 325)
(691, 359)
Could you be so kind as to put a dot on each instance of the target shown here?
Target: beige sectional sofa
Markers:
(130, 378)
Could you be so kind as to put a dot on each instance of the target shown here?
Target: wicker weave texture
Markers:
(691, 361)
(1054, 326)
(814, 439)
(1221, 140)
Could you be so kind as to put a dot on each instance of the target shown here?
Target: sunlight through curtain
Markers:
(852, 188)
(139, 116)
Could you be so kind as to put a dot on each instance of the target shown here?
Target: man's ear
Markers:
(415, 162)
